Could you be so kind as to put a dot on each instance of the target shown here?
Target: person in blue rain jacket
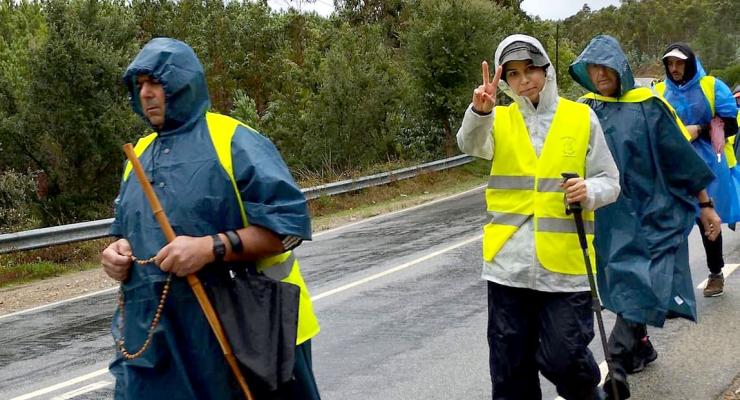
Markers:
(641, 247)
(257, 214)
(697, 98)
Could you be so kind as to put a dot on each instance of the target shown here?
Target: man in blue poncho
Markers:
(640, 240)
(697, 98)
(208, 205)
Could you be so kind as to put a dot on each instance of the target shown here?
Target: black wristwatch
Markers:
(219, 248)
(706, 204)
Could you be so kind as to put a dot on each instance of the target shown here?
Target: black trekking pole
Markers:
(576, 210)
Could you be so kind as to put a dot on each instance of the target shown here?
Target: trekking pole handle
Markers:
(576, 209)
(570, 207)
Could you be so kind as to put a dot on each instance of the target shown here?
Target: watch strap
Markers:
(219, 248)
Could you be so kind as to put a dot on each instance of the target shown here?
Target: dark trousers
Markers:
(624, 345)
(305, 386)
(713, 249)
(530, 332)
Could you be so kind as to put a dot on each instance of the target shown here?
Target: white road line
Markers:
(394, 269)
(727, 270)
(604, 370)
(314, 298)
(315, 235)
(399, 211)
(56, 303)
(85, 389)
(62, 385)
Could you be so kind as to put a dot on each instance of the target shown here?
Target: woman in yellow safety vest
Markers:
(539, 306)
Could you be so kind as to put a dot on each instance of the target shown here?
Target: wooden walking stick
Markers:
(193, 280)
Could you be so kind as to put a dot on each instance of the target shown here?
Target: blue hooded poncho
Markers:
(689, 101)
(693, 108)
(641, 249)
(184, 360)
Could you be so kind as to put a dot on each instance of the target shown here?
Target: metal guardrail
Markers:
(56, 235)
(350, 185)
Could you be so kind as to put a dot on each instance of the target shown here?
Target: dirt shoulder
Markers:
(50, 290)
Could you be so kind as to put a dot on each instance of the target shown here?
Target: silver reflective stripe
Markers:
(280, 271)
(562, 225)
(511, 182)
(549, 185)
(508, 218)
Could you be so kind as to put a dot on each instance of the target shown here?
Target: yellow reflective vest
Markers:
(523, 185)
(283, 267)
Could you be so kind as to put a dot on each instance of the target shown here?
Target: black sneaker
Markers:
(623, 389)
(644, 355)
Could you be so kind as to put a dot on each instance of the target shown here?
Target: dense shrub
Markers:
(17, 198)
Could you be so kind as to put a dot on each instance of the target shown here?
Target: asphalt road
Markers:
(403, 316)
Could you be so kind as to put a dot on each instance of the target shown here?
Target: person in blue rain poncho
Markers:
(697, 99)
(205, 206)
(640, 240)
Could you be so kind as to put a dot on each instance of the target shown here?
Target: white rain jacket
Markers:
(516, 263)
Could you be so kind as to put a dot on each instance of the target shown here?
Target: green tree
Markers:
(245, 109)
(445, 43)
(292, 81)
(77, 115)
(353, 113)
(390, 15)
(22, 31)
(16, 201)
(718, 42)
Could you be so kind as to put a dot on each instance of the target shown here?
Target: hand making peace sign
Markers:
(484, 97)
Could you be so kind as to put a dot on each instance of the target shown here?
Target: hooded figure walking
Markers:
(641, 248)
(539, 302)
(252, 214)
(698, 98)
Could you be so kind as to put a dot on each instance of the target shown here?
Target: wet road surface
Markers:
(403, 316)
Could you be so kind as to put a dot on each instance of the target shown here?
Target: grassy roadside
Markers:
(327, 212)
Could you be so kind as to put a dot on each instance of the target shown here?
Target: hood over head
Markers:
(527, 45)
(603, 50)
(175, 65)
(692, 63)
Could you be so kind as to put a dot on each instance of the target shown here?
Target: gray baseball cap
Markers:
(520, 51)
